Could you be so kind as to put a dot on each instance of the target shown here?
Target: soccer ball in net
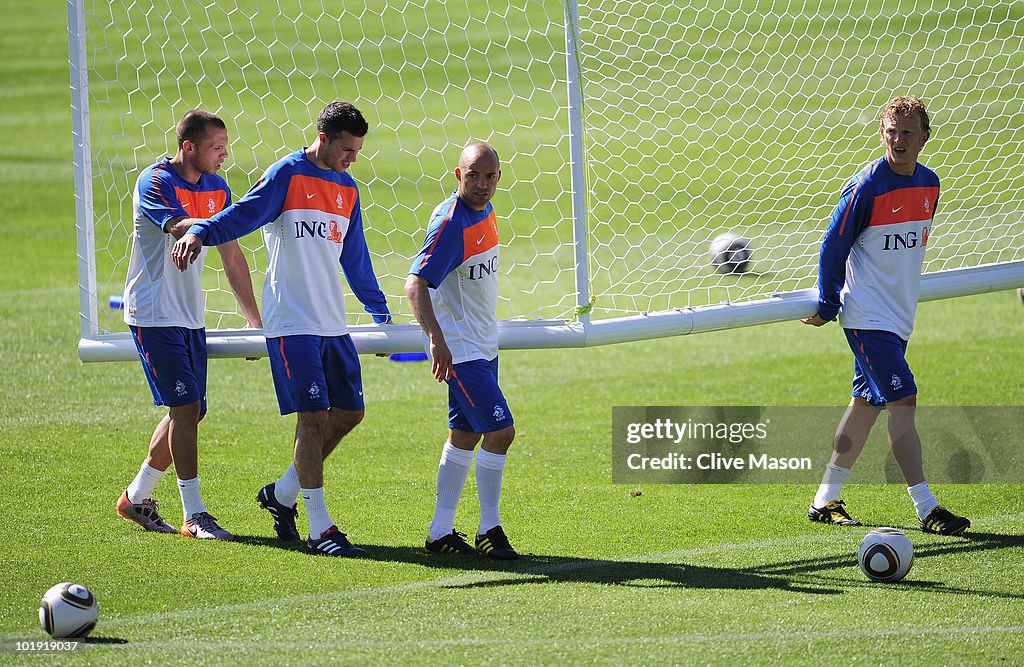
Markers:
(886, 554)
(730, 253)
(68, 610)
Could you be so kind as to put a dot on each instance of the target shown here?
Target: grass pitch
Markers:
(672, 575)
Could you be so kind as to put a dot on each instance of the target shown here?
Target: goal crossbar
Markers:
(547, 334)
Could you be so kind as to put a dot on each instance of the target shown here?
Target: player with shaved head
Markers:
(453, 291)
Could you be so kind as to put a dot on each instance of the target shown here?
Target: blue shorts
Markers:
(174, 360)
(475, 401)
(315, 373)
(880, 370)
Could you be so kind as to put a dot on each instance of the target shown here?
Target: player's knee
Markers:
(905, 402)
(182, 414)
(500, 441)
(347, 419)
(312, 419)
(463, 439)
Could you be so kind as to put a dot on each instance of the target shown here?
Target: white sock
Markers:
(452, 472)
(286, 489)
(144, 483)
(924, 501)
(191, 502)
(831, 484)
(316, 511)
(489, 469)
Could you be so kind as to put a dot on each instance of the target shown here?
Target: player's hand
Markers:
(814, 320)
(385, 355)
(186, 250)
(440, 360)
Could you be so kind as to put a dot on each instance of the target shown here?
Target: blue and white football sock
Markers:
(924, 501)
(144, 483)
(316, 511)
(489, 470)
(452, 472)
(286, 489)
(191, 502)
(831, 485)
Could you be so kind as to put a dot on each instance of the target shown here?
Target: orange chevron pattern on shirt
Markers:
(311, 193)
(480, 238)
(904, 205)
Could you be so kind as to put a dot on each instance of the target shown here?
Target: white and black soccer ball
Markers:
(886, 554)
(68, 610)
(730, 253)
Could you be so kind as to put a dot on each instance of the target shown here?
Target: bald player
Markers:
(453, 291)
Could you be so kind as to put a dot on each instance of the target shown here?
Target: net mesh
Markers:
(698, 120)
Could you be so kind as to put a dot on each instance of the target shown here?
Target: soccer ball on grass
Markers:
(68, 610)
(886, 554)
(730, 253)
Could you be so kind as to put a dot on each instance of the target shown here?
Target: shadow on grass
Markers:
(105, 640)
(807, 575)
(264, 541)
(540, 569)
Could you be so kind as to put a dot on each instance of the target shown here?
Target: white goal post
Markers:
(631, 134)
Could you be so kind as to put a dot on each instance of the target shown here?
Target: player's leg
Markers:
(475, 384)
(302, 388)
(279, 497)
(905, 442)
(324, 536)
(490, 467)
(340, 423)
(847, 444)
(344, 390)
(136, 503)
(154, 466)
(183, 436)
(452, 472)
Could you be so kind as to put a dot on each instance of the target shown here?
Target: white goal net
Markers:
(631, 134)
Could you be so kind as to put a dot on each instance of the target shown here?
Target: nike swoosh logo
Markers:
(897, 209)
(186, 204)
(311, 196)
(480, 240)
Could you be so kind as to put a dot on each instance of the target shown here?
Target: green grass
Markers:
(676, 575)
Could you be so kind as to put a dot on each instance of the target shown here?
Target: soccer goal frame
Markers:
(629, 84)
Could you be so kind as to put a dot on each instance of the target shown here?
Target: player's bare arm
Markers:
(177, 227)
(186, 250)
(417, 291)
(237, 270)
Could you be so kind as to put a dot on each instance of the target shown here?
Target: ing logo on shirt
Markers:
(316, 229)
(482, 269)
(906, 240)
